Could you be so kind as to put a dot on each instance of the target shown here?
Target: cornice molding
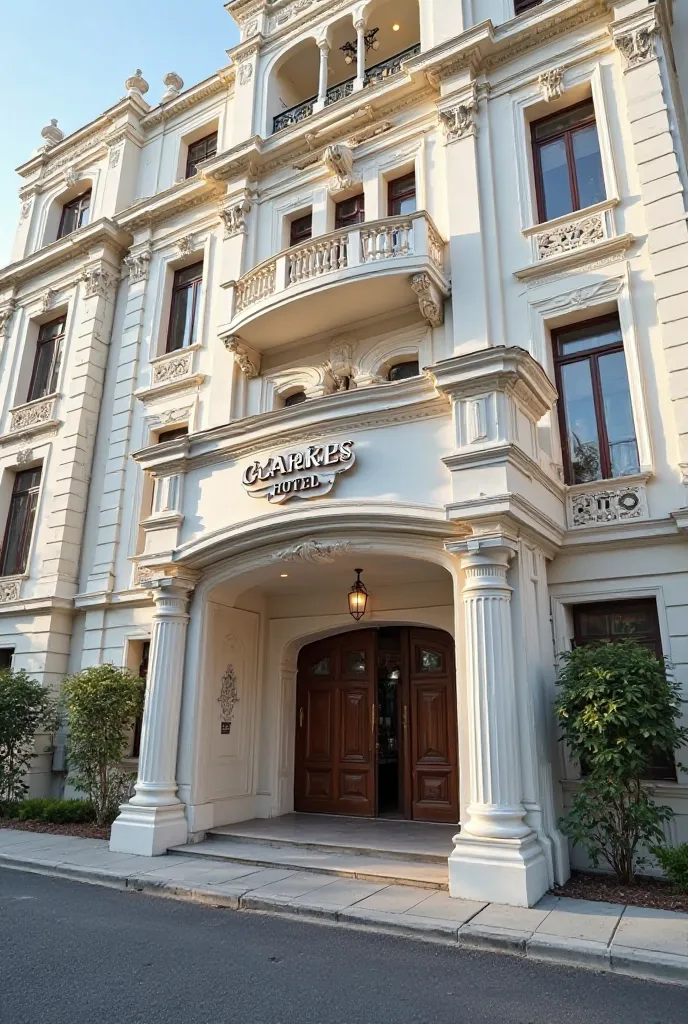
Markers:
(222, 81)
(103, 232)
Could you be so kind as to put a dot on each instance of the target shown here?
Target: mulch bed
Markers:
(82, 830)
(649, 892)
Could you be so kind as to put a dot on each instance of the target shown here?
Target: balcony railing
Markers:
(381, 241)
(378, 73)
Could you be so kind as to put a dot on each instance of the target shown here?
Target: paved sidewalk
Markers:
(602, 936)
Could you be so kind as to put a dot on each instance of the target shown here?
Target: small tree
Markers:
(26, 707)
(618, 709)
(102, 704)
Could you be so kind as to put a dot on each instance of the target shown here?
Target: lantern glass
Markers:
(358, 598)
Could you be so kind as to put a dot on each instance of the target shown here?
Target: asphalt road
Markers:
(77, 954)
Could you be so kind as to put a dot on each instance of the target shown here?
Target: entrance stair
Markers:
(374, 850)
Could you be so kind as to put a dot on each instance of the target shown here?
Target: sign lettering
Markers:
(304, 474)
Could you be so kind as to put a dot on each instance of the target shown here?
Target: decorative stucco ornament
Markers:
(314, 551)
(174, 85)
(339, 160)
(52, 134)
(229, 696)
(137, 84)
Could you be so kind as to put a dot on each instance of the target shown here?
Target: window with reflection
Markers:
(568, 164)
(596, 416)
(403, 371)
(20, 522)
(349, 212)
(301, 229)
(75, 214)
(401, 195)
(186, 307)
(298, 398)
(200, 151)
(46, 364)
(521, 6)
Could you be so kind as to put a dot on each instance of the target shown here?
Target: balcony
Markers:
(352, 274)
(378, 73)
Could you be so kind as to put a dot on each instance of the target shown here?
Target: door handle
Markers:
(300, 718)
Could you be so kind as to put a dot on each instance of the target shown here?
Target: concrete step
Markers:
(371, 866)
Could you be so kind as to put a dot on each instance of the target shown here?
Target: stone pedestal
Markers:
(154, 820)
(496, 856)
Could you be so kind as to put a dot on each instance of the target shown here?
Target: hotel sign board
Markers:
(309, 473)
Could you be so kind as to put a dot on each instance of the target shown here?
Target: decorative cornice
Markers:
(636, 46)
(104, 232)
(461, 120)
(218, 83)
(613, 248)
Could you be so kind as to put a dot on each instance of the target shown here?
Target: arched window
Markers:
(75, 214)
(402, 371)
(298, 398)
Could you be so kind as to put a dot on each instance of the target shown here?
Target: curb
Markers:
(667, 968)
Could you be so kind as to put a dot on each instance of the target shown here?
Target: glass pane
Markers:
(401, 207)
(180, 326)
(402, 371)
(69, 220)
(40, 384)
(589, 176)
(321, 668)
(196, 291)
(556, 186)
(618, 415)
(57, 362)
(631, 623)
(581, 423)
(84, 208)
(356, 663)
(588, 337)
(19, 511)
(431, 661)
(561, 122)
(189, 274)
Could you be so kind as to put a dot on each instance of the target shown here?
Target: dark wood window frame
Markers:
(179, 286)
(592, 356)
(198, 151)
(21, 514)
(399, 189)
(567, 135)
(660, 769)
(349, 220)
(6, 656)
(82, 204)
(521, 6)
(301, 229)
(49, 370)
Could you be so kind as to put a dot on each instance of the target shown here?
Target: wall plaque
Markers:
(309, 473)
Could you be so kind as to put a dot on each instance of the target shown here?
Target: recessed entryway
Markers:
(376, 732)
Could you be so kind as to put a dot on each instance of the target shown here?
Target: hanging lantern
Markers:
(358, 598)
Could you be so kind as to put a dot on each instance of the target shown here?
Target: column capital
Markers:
(177, 583)
(496, 545)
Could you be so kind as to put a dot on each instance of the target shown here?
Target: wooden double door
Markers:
(376, 731)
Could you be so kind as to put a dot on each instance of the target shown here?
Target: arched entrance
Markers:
(376, 731)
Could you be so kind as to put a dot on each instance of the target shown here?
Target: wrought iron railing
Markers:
(378, 73)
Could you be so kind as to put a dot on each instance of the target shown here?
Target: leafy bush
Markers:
(57, 812)
(102, 704)
(26, 707)
(674, 860)
(618, 709)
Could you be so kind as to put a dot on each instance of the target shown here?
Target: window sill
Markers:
(567, 242)
(34, 417)
(10, 587)
(172, 371)
(607, 502)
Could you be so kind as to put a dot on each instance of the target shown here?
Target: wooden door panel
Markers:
(319, 784)
(355, 739)
(434, 738)
(319, 726)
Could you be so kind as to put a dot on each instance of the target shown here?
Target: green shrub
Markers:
(618, 708)
(26, 707)
(102, 704)
(57, 812)
(674, 861)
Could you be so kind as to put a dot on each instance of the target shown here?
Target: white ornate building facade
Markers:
(402, 290)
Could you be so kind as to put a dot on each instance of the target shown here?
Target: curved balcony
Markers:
(333, 280)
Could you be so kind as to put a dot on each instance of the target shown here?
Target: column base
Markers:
(148, 831)
(512, 871)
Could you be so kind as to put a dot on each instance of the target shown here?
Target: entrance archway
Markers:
(376, 727)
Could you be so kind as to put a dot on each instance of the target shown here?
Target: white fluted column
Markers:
(496, 856)
(324, 47)
(360, 26)
(153, 820)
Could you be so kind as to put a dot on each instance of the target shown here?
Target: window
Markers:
(172, 435)
(185, 310)
(15, 549)
(401, 195)
(301, 229)
(75, 214)
(402, 371)
(568, 166)
(200, 151)
(612, 621)
(349, 212)
(6, 655)
(520, 6)
(298, 398)
(595, 413)
(143, 674)
(46, 366)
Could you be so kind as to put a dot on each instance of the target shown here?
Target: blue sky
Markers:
(69, 60)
